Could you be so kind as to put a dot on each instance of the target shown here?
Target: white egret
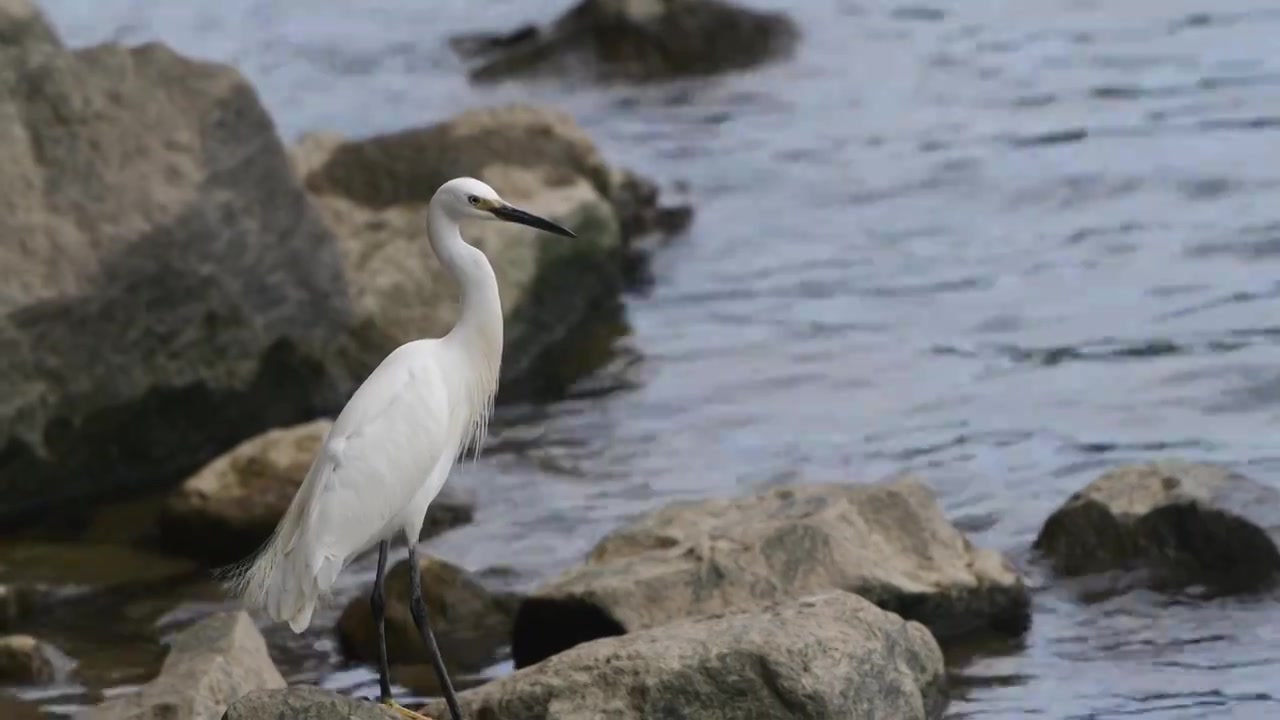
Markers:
(391, 448)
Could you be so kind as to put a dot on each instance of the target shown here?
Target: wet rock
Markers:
(25, 660)
(306, 703)
(1177, 523)
(471, 624)
(634, 40)
(374, 192)
(828, 656)
(32, 565)
(13, 708)
(209, 665)
(16, 601)
(888, 542)
(230, 507)
(167, 290)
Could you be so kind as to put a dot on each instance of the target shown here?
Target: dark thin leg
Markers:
(377, 601)
(418, 608)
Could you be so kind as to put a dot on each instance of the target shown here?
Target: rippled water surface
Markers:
(1002, 244)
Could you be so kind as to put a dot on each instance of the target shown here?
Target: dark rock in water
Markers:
(228, 509)
(209, 665)
(888, 542)
(24, 660)
(306, 703)
(166, 289)
(829, 656)
(635, 40)
(1178, 523)
(470, 623)
(16, 602)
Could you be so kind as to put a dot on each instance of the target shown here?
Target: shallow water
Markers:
(1001, 244)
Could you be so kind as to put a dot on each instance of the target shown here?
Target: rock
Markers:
(471, 624)
(12, 708)
(829, 656)
(305, 703)
(166, 289)
(374, 192)
(23, 27)
(230, 507)
(1179, 523)
(25, 660)
(888, 542)
(635, 40)
(209, 665)
(32, 565)
(16, 601)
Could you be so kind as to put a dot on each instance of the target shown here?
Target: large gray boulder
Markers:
(209, 665)
(830, 656)
(888, 542)
(1169, 524)
(230, 507)
(166, 289)
(634, 40)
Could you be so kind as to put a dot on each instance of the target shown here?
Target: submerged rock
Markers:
(209, 665)
(24, 660)
(829, 656)
(33, 566)
(1179, 523)
(635, 40)
(166, 289)
(888, 542)
(556, 292)
(470, 623)
(306, 703)
(230, 507)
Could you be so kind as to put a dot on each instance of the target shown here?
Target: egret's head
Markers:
(465, 197)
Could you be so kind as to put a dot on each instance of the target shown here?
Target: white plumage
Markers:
(391, 448)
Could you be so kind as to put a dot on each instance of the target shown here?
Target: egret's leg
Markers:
(418, 608)
(378, 602)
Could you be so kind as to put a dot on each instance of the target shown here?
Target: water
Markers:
(1002, 244)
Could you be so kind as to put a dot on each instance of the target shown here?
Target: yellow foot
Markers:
(404, 711)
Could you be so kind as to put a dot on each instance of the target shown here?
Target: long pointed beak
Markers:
(516, 215)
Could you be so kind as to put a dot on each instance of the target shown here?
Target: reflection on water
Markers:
(1005, 245)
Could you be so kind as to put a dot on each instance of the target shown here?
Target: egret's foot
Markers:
(404, 711)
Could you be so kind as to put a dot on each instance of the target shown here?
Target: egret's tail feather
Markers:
(281, 578)
(280, 583)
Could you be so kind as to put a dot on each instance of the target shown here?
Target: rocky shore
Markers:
(186, 301)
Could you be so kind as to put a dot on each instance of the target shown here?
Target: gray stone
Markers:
(166, 289)
(230, 507)
(24, 660)
(209, 665)
(556, 292)
(470, 623)
(888, 542)
(305, 703)
(829, 656)
(634, 40)
(1175, 523)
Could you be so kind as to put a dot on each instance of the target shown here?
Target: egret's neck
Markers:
(478, 332)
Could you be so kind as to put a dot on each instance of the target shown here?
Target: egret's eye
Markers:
(473, 199)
